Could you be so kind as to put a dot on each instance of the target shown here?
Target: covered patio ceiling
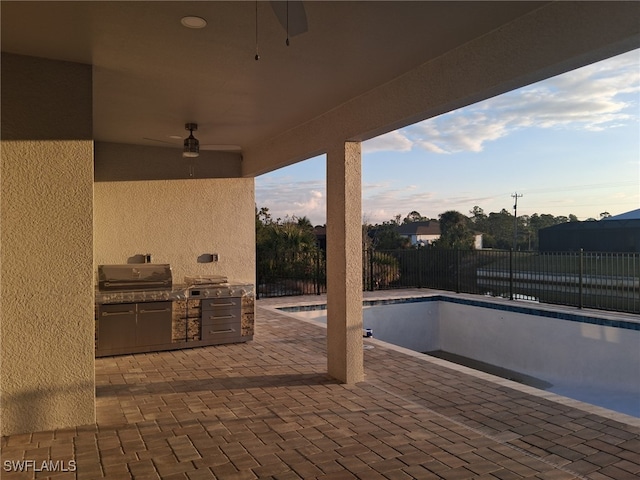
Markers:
(152, 75)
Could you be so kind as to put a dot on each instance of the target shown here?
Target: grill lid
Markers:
(139, 276)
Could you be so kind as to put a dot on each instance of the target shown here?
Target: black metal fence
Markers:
(280, 274)
(601, 280)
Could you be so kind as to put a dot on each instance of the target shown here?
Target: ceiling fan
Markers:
(292, 16)
(191, 145)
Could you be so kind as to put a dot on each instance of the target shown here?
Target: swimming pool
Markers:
(588, 356)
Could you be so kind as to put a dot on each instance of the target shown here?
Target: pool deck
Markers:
(266, 409)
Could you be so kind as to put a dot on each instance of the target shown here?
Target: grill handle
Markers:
(135, 284)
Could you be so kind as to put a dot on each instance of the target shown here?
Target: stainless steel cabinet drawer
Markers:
(221, 332)
(229, 302)
(222, 320)
(220, 315)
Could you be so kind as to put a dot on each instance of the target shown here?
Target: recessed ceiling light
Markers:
(193, 22)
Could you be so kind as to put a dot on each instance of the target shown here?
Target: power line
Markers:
(580, 187)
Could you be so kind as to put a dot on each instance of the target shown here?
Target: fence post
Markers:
(420, 263)
(457, 252)
(317, 275)
(257, 292)
(581, 274)
(511, 274)
(370, 258)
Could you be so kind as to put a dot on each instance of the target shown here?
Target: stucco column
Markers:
(344, 263)
(47, 375)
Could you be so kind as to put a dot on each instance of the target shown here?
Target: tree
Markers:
(604, 215)
(454, 231)
(386, 236)
(285, 248)
(414, 217)
(304, 223)
(263, 216)
(478, 215)
(499, 227)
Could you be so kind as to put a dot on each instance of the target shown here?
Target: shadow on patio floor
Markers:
(266, 409)
(214, 384)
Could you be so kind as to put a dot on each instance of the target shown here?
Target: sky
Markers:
(568, 145)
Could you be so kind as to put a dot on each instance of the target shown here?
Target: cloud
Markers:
(382, 202)
(392, 141)
(286, 197)
(593, 98)
(597, 97)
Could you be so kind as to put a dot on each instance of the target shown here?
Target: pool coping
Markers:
(582, 316)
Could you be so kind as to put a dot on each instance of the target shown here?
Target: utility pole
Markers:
(515, 220)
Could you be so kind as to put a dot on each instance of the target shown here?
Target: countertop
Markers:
(177, 292)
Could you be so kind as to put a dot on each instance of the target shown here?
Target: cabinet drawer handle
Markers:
(228, 304)
(214, 317)
(144, 310)
(113, 314)
(228, 330)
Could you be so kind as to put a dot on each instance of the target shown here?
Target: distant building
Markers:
(632, 215)
(620, 233)
(320, 231)
(425, 233)
(420, 233)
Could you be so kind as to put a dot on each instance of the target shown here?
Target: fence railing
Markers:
(281, 274)
(600, 280)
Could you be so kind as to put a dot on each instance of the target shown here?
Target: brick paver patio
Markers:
(266, 409)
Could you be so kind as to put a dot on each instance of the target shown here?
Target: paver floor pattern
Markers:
(266, 409)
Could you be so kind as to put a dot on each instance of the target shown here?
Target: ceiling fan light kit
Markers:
(191, 144)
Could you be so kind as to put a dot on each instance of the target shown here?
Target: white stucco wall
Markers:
(552, 349)
(177, 221)
(415, 326)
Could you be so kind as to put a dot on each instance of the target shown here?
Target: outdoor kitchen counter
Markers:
(178, 292)
(187, 314)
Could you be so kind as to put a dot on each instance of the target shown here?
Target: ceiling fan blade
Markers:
(297, 16)
(162, 141)
(221, 148)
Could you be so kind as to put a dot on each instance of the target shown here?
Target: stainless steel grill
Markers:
(142, 276)
(134, 308)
